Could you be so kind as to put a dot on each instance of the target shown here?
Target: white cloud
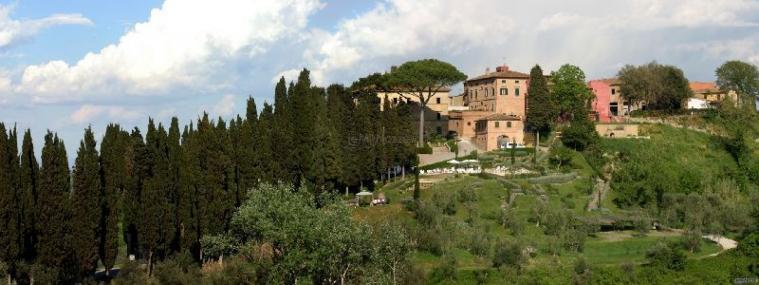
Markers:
(225, 106)
(14, 31)
(184, 43)
(88, 113)
(399, 28)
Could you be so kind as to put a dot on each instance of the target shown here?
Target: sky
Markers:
(65, 65)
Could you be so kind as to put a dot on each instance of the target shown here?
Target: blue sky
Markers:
(67, 64)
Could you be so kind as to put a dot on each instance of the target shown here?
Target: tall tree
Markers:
(423, 79)
(541, 111)
(10, 212)
(174, 183)
(132, 196)
(742, 77)
(284, 132)
(29, 186)
(265, 146)
(114, 164)
(157, 226)
(662, 87)
(85, 205)
(53, 250)
(570, 92)
(325, 163)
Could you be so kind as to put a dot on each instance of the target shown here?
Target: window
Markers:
(395, 100)
(497, 125)
(439, 130)
(504, 91)
(492, 91)
(438, 116)
(516, 92)
(613, 91)
(503, 81)
(437, 100)
(469, 123)
(516, 81)
(508, 124)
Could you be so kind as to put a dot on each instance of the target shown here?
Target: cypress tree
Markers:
(265, 146)
(247, 149)
(114, 173)
(190, 203)
(29, 187)
(325, 167)
(283, 135)
(541, 111)
(85, 205)
(132, 197)
(53, 250)
(156, 229)
(175, 183)
(10, 212)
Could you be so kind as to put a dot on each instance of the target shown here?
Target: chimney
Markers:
(502, 68)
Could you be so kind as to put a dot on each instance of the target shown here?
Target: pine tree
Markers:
(541, 111)
(85, 205)
(10, 212)
(53, 224)
(29, 187)
(114, 172)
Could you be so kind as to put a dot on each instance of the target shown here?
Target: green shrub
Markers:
(446, 271)
(508, 253)
(579, 135)
(666, 256)
(426, 149)
(749, 245)
(179, 269)
(129, 273)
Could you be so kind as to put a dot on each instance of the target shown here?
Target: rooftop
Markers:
(698, 86)
(502, 71)
(501, 117)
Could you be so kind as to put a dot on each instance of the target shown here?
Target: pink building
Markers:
(602, 101)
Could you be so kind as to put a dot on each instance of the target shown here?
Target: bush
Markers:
(129, 273)
(479, 242)
(667, 256)
(579, 135)
(446, 270)
(508, 253)
(467, 195)
(749, 245)
(560, 157)
(427, 215)
(179, 269)
(426, 149)
(445, 202)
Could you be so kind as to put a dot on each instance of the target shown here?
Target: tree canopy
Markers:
(657, 86)
(739, 76)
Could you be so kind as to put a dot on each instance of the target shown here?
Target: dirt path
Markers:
(723, 242)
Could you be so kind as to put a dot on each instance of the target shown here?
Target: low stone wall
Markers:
(618, 130)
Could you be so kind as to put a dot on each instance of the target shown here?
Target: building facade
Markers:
(711, 94)
(498, 130)
(435, 115)
(608, 104)
(492, 102)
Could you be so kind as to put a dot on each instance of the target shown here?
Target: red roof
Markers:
(698, 86)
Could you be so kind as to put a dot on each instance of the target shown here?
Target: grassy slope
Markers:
(679, 150)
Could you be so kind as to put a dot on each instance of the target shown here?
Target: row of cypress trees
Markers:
(162, 192)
